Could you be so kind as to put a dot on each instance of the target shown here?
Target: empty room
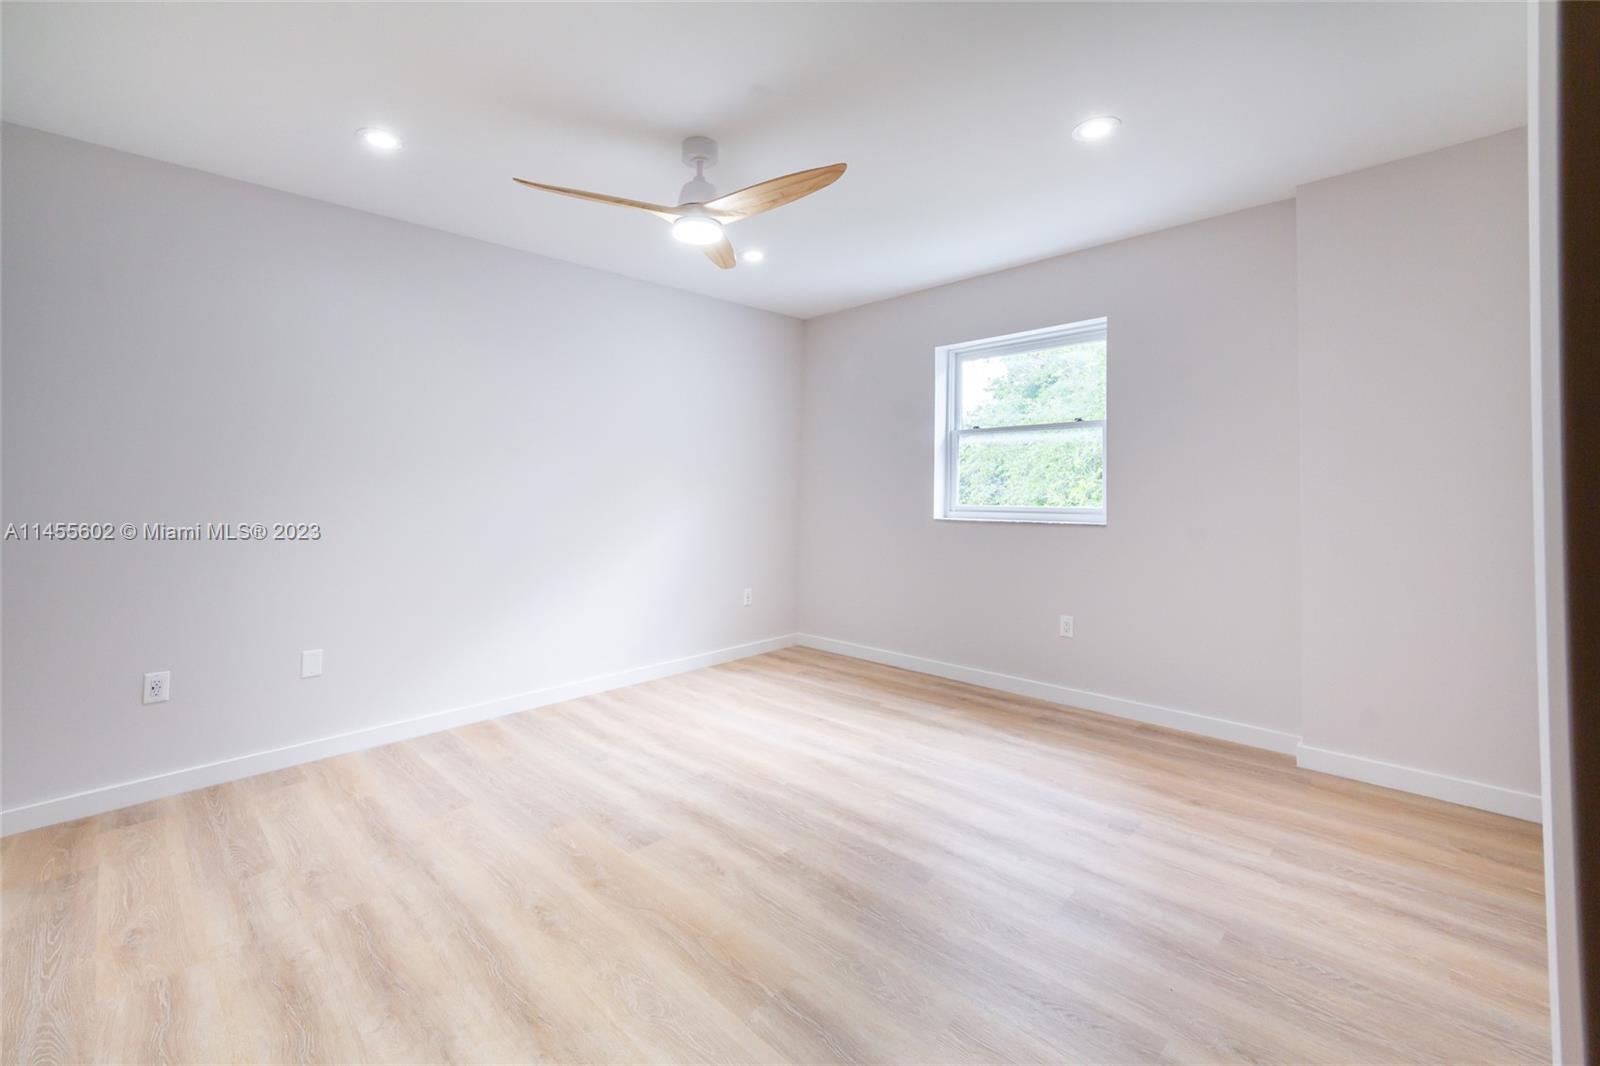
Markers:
(798, 533)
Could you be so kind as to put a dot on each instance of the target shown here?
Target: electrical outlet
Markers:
(311, 663)
(158, 687)
(1066, 625)
(749, 597)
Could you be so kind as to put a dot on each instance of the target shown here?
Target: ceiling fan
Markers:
(700, 214)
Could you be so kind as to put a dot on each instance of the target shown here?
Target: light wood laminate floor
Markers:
(796, 857)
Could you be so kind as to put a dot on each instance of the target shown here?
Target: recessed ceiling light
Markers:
(754, 255)
(1097, 128)
(378, 140)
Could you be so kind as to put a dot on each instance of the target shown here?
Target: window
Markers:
(1021, 427)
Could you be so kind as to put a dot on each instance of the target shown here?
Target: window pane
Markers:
(1055, 468)
(1030, 388)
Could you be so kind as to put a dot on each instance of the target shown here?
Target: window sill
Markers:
(1064, 520)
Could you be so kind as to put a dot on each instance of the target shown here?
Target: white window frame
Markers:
(947, 360)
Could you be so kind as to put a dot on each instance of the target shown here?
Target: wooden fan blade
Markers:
(721, 254)
(659, 210)
(775, 193)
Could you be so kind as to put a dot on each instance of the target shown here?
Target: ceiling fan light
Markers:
(697, 229)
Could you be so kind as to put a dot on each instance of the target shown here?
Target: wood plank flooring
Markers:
(797, 857)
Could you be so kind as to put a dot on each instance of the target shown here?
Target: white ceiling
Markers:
(954, 118)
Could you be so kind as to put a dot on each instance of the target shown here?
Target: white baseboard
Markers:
(1494, 798)
(1524, 805)
(159, 786)
(1152, 714)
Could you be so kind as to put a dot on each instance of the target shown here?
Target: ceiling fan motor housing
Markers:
(698, 152)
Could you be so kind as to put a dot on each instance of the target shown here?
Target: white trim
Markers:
(1032, 340)
(172, 783)
(1022, 520)
(1152, 714)
(1561, 894)
(1524, 805)
(1494, 798)
(1083, 516)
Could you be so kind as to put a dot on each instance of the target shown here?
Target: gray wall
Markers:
(526, 472)
(1416, 470)
(1319, 479)
(1187, 597)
